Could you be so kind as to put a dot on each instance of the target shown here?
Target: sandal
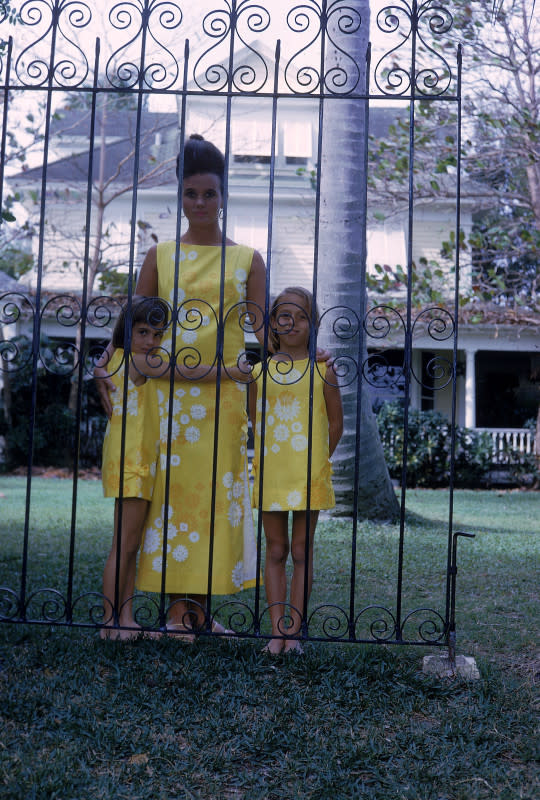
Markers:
(217, 627)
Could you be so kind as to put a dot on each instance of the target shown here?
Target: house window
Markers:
(297, 142)
(507, 391)
(385, 245)
(427, 397)
(251, 141)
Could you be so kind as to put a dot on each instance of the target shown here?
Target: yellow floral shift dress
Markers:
(286, 441)
(189, 499)
(140, 445)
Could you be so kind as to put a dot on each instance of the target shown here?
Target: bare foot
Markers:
(294, 646)
(274, 647)
(121, 634)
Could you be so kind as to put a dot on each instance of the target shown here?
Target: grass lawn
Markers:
(81, 718)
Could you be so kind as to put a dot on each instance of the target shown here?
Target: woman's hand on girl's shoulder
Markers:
(331, 377)
(325, 355)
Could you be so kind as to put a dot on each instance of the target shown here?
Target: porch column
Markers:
(470, 389)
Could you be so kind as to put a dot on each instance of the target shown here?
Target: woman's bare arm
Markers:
(255, 295)
(147, 282)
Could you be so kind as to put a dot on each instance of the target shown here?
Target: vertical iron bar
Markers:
(84, 301)
(312, 349)
(220, 331)
(4, 121)
(174, 329)
(408, 330)
(450, 595)
(360, 352)
(316, 238)
(36, 328)
(264, 374)
(128, 328)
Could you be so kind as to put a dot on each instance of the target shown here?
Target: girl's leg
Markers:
(276, 532)
(301, 570)
(134, 510)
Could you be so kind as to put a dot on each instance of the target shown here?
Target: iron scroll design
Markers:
(415, 27)
(374, 624)
(233, 47)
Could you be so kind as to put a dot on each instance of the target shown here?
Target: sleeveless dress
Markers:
(140, 446)
(286, 412)
(190, 523)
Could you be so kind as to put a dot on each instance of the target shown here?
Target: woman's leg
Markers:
(276, 532)
(134, 510)
(187, 612)
(301, 570)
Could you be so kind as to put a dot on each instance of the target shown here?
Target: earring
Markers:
(220, 213)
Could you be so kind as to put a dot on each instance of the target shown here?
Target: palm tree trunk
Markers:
(341, 280)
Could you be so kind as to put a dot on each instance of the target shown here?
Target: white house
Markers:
(498, 362)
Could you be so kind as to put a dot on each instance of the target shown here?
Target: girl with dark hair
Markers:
(200, 525)
(147, 321)
(297, 469)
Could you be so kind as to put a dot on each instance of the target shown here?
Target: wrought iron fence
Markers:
(242, 65)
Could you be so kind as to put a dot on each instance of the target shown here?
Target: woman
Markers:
(200, 521)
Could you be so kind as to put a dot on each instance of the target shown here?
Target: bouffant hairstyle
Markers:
(200, 157)
(152, 310)
(305, 299)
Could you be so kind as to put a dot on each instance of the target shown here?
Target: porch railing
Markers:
(510, 445)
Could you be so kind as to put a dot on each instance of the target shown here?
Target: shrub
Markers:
(55, 425)
(429, 448)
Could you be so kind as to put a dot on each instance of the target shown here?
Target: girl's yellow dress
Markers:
(140, 445)
(286, 441)
(209, 515)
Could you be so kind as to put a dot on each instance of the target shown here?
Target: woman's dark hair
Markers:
(305, 298)
(200, 157)
(152, 310)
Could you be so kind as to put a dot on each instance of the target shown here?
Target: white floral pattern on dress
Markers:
(197, 411)
(152, 540)
(164, 429)
(180, 553)
(299, 442)
(235, 514)
(287, 409)
(192, 434)
(281, 433)
(294, 498)
(189, 337)
(238, 574)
